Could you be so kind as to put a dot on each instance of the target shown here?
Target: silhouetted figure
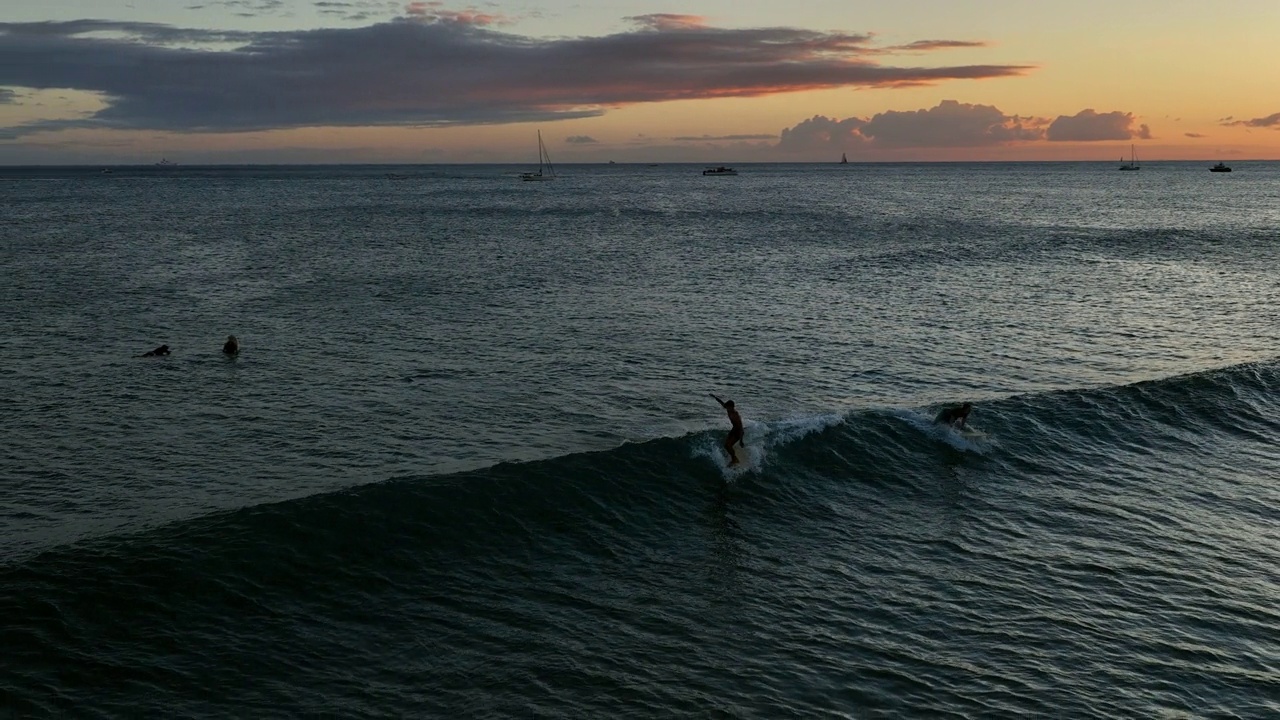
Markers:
(232, 346)
(735, 432)
(955, 416)
(162, 350)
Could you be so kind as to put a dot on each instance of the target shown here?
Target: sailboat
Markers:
(843, 159)
(1133, 161)
(545, 170)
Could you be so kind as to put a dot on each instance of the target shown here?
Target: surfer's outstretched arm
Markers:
(713, 396)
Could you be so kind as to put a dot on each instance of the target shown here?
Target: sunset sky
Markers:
(343, 81)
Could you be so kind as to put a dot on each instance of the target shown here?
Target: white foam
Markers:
(759, 437)
(975, 443)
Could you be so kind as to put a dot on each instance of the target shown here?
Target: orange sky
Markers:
(299, 81)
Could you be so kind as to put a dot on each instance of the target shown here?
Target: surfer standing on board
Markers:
(735, 433)
(956, 416)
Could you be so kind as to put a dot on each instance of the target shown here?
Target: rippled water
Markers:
(466, 465)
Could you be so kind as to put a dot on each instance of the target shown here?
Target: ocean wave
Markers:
(1044, 528)
(1175, 416)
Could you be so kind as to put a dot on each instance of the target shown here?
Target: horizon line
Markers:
(172, 166)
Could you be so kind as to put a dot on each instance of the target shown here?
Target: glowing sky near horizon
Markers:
(245, 81)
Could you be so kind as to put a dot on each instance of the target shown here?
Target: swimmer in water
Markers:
(162, 350)
(232, 346)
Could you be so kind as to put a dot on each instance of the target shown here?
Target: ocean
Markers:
(467, 465)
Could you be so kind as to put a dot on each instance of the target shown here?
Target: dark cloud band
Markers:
(447, 69)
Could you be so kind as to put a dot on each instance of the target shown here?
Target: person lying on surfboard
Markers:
(955, 416)
(735, 433)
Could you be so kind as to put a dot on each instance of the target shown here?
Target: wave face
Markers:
(1105, 552)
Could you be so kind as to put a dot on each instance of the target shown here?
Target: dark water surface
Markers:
(466, 465)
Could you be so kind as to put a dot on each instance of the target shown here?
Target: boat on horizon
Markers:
(164, 163)
(1220, 167)
(545, 170)
(844, 160)
(720, 170)
(1133, 161)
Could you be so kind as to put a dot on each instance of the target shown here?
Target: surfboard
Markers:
(748, 459)
(741, 458)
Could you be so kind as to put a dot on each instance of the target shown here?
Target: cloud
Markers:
(927, 45)
(244, 8)
(21, 40)
(669, 21)
(356, 10)
(822, 133)
(433, 68)
(1194, 135)
(1090, 126)
(950, 124)
(436, 12)
(580, 140)
(1272, 120)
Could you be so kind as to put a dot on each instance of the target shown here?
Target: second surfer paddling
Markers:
(956, 417)
(735, 433)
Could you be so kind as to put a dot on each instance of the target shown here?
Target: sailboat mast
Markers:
(543, 155)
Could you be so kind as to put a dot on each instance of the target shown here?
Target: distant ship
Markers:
(722, 170)
(1133, 161)
(545, 169)
(1220, 168)
(843, 160)
(166, 164)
